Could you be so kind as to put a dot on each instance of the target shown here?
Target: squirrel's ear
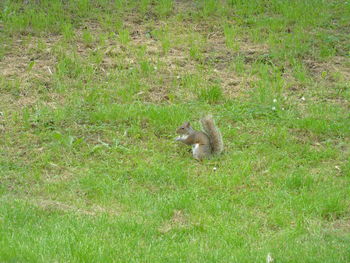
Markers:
(187, 124)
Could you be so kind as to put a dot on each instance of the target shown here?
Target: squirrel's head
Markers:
(184, 128)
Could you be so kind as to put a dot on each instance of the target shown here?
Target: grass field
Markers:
(91, 93)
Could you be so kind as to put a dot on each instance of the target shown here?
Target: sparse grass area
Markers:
(91, 93)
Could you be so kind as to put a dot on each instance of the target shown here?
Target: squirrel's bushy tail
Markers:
(213, 133)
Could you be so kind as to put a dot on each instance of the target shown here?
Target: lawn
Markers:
(91, 93)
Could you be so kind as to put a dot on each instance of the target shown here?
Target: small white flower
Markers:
(274, 100)
(282, 108)
(155, 68)
(303, 98)
(273, 108)
(214, 169)
(177, 76)
(269, 258)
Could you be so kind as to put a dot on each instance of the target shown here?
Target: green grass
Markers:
(91, 93)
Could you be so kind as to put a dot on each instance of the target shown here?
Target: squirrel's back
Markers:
(214, 134)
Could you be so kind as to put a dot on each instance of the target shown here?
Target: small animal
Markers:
(204, 143)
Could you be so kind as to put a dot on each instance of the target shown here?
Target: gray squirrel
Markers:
(204, 143)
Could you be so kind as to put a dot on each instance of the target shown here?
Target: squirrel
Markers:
(204, 143)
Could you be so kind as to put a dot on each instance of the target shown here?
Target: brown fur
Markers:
(204, 144)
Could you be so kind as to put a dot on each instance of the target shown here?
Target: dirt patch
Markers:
(29, 64)
(176, 61)
(305, 137)
(339, 228)
(26, 58)
(335, 67)
(55, 173)
(342, 225)
(178, 220)
(156, 95)
(53, 205)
